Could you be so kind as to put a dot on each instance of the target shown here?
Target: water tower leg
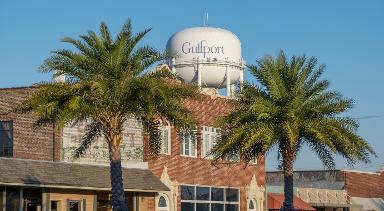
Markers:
(233, 88)
(199, 76)
(228, 82)
(241, 79)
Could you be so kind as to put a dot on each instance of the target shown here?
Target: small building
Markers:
(334, 189)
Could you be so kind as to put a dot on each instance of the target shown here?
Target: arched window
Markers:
(252, 205)
(163, 203)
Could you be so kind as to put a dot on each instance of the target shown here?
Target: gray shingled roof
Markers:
(73, 175)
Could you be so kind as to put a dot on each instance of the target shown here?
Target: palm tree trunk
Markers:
(288, 181)
(118, 196)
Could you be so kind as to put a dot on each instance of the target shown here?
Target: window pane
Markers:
(193, 145)
(251, 205)
(202, 207)
(231, 207)
(202, 193)
(165, 140)
(182, 145)
(6, 138)
(74, 206)
(186, 206)
(217, 207)
(217, 194)
(187, 192)
(186, 144)
(162, 202)
(13, 198)
(232, 194)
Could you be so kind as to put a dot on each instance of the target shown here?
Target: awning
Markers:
(275, 201)
(33, 173)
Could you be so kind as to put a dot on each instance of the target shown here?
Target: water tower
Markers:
(208, 56)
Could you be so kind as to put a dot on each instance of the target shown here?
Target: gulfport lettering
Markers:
(201, 48)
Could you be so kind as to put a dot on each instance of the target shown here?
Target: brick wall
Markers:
(364, 184)
(29, 142)
(189, 170)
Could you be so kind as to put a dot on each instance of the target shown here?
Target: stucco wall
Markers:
(131, 148)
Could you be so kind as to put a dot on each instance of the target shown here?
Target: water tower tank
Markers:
(208, 56)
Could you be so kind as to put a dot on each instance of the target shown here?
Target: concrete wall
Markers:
(309, 179)
(131, 148)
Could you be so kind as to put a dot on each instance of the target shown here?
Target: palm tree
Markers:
(107, 84)
(291, 106)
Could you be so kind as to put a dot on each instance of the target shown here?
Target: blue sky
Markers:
(346, 35)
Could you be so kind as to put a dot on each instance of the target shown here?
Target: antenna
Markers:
(206, 19)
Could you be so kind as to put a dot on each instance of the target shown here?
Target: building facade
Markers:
(41, 173)
(182, 177)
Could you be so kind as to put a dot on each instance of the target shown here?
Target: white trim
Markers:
(162, 129)
(167, 201)
(212, 134)
(224, 202)
(192, 144)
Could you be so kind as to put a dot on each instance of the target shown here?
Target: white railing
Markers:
(314, 195)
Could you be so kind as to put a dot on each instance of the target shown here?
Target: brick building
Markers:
(182, 176)
(39, 173)
(335, 189)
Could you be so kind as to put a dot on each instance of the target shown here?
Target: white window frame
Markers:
(209, 137)
(191, 143)
(162, 130)
(168, 207)
(224, 202)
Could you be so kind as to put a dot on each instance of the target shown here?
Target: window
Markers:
(209, 136)
(56, 206)
(6, 138)
(205, 198)
(163, 203)
(188, 143)
(252, 205)
(165, 138)
(74, 205)
(12, 198)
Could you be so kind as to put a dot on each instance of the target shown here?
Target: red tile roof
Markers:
(275, 201)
